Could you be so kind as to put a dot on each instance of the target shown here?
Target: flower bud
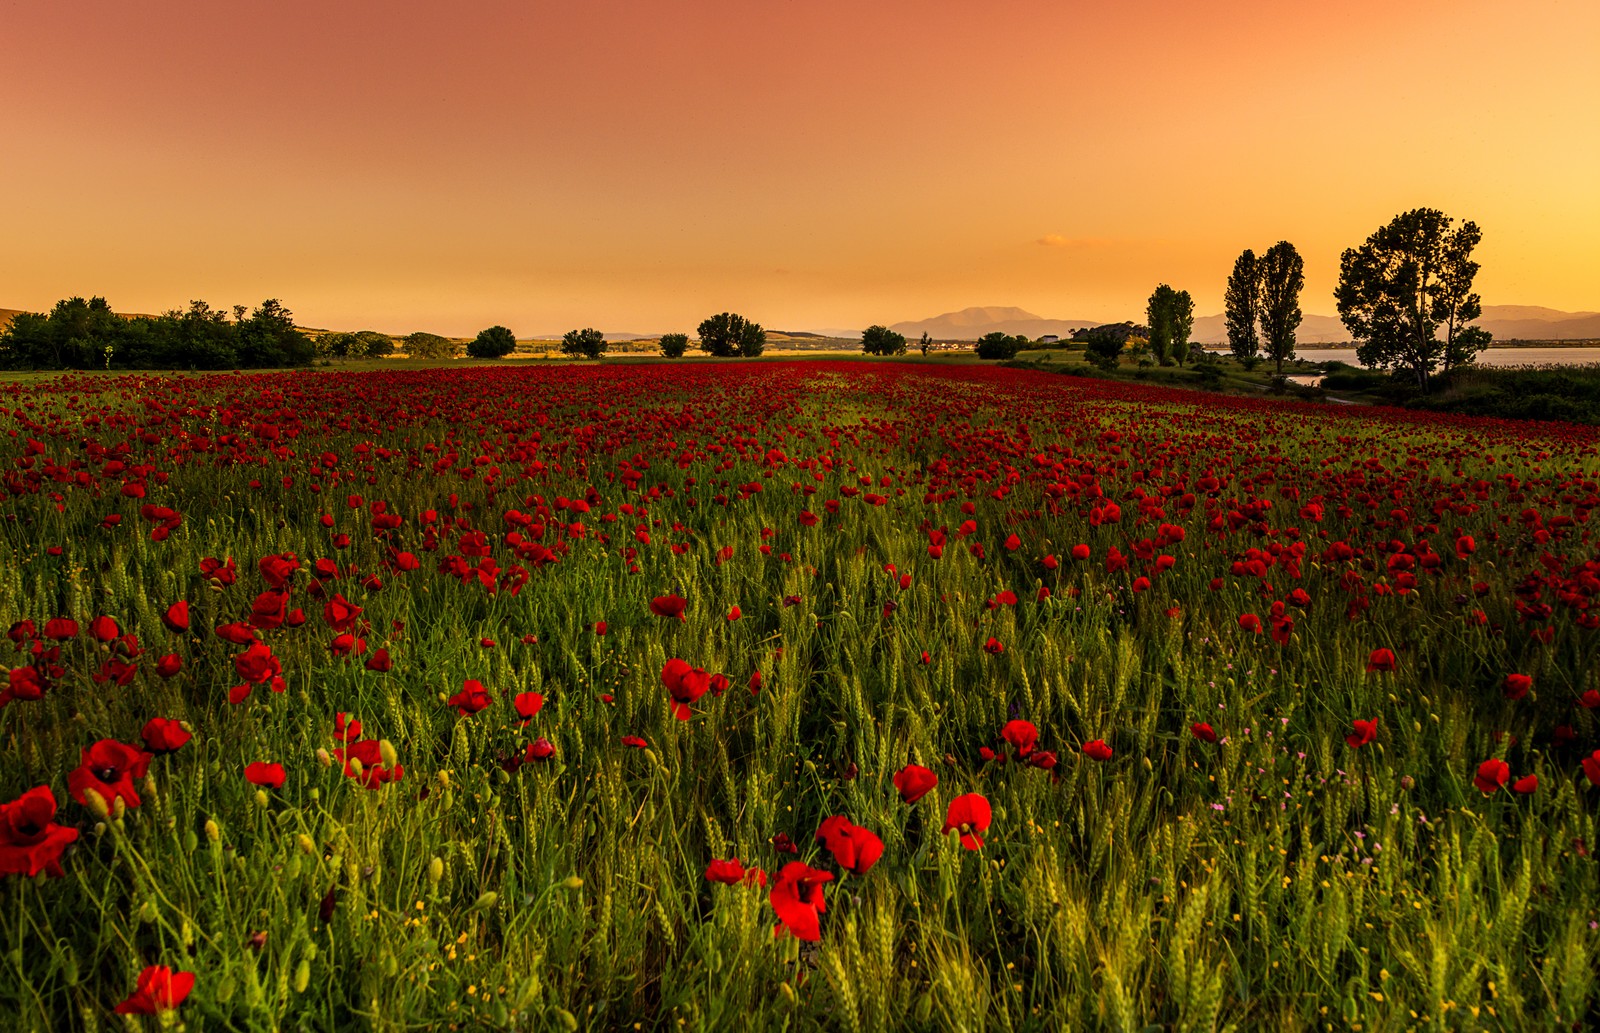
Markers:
(119, 807)
(386, 750)
(435, 870)
(95, 802)
(261, 798)
(307, 845)
(323, 758)
(572, 882)
(213, 832)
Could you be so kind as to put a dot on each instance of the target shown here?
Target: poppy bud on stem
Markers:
(213, 832)
(96, 803)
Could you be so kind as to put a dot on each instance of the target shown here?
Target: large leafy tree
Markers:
(1241, 304)
(997, 344)
(1455, 303)
(1282, 277)
(1159, 313)
(674, 345)
(880, 340)
(492, 343)
(587, 343)
(1397, 289)
(729, 334)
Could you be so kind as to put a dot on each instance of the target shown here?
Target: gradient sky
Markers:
(637, 166)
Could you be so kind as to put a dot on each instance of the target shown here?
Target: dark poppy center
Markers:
(107, 775)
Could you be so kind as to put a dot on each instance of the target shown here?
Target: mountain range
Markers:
(1505, 322)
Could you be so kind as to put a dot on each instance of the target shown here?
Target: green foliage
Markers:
(372, 345)
(1103, 346)
(587, 343)
(496, 342)
(1412, 277)
(729, 334)
(998, 345)
(1282, 276)
(1242, 308)
(79, 334)
(880, 340)
(1170, 314)
(422, 345)
(674, 345)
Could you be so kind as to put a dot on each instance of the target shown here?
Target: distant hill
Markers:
(972, 323)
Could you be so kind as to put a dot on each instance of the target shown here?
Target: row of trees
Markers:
(86, 334)
(1261, 304)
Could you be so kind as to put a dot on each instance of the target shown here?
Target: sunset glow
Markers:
(815, 164)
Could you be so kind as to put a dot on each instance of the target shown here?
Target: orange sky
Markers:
(637, 166)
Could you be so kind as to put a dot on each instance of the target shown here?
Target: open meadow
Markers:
(789, 696)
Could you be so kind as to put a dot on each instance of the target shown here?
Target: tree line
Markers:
(86, 334)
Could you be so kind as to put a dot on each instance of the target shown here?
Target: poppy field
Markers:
(789, 696)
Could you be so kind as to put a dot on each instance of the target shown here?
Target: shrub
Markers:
(674, 345)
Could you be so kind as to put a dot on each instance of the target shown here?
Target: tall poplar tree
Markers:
(1282, 278)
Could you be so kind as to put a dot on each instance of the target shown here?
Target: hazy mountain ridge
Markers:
(969, 324)
(1505, 322)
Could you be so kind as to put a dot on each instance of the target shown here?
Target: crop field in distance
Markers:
(789, 696)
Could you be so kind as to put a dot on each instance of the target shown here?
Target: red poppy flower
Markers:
(1080, 552)
(169, 665)
(1517, 686)
(58, 628)
(669, 606)
(1045, 760)
(159, 989)
(1201, 730)
(1365, 732)
(527, 705)
(1250, 622)
(684, 684)
(969, 815)
(109, 768)
(1492, 774)
(164, 735)
(914, 782)
(25, 683)
(30, 840)
(380, 661)
(1526, 785)
(369, 754)
(257, 664)
(994, 647)
(796, 897)
(1590, 699)
(278, 569)
(540, 749)
(176, 617)
(1381, 661)
(237, 634)
(637, 742)
(105, 629)
(340, 613)
(1022, 735)
(784, 845)
(854, 848)
(472, 698)
(264, 774)
(344, 729)
(734, 614)
(730, 872)
(1097, 749)
(1591, 767)
(599, 627)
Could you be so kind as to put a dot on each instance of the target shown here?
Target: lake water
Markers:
(1489, 357)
